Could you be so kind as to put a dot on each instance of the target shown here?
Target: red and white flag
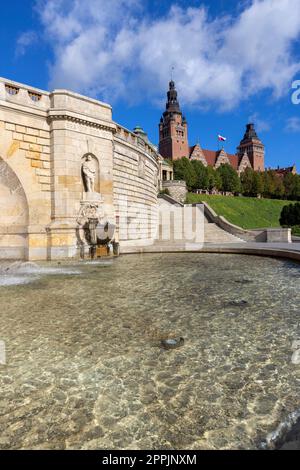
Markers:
(220, 137)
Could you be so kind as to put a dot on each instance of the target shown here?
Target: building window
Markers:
(12, 90)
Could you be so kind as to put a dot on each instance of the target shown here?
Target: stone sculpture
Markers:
(88, 174)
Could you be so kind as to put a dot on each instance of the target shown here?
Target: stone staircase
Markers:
(213, 234)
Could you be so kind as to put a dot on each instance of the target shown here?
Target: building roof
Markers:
(250, 134)
(211, 157)
(284, 171)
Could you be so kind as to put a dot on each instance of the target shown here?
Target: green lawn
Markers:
(246, 212)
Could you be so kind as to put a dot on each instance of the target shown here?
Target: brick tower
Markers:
(253, 146)
(173, 135)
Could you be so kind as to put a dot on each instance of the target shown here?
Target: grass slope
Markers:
(246, 212)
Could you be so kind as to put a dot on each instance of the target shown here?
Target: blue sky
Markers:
(234, 62)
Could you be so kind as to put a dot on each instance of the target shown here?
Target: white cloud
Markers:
(115, 49)
(293, 124)
(25, 40)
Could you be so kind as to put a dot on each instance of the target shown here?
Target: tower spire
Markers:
(254, 147)
(173, 138)
(172, 104)
(172, 70)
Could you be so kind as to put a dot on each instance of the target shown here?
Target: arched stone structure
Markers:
(14, 215)
(44, 142)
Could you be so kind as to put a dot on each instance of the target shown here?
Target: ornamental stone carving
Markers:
(89, 210)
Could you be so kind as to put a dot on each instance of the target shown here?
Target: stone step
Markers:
(212, 233)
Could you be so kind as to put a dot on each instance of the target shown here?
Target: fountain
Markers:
(92, 225)
(94, 230)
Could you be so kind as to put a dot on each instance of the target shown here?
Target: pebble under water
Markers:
(85, 368)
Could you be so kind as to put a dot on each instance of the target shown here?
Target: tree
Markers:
(291, 185)
(288, 182)
(269, 182)
(201, 175)
(247, 181)
(296, 188)
(252, 183)
(290, 215)
(213, 179)
(258, 184)
(279, 188)
(184, 170)
(229, 178)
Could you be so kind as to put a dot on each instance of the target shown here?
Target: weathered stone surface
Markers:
(42, 147)
(176, 189)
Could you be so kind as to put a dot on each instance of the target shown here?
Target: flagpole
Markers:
(222, 139)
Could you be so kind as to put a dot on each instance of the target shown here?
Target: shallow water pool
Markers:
(85, 370)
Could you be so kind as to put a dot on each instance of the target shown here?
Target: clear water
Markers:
(85, 369)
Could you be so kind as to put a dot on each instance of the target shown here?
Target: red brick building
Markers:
(173, 129)
(285, 171)
(173, 141)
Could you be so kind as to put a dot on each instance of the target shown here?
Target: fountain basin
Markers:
(78, 353)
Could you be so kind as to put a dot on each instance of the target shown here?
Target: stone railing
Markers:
(16, 93)
(170, 200)
(279, 235)
(135, 140)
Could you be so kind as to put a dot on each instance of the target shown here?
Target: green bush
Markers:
(165, 191)
(290, 215)
(296, 230)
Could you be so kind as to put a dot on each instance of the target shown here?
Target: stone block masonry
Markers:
(135, 192)
(176, 189)
(44, 139)
(36, 144)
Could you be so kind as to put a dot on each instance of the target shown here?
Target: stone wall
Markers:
(25, 153)
(177, 189)
(135, 189)
(44, 140)
(79, 126)
(279, 235)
